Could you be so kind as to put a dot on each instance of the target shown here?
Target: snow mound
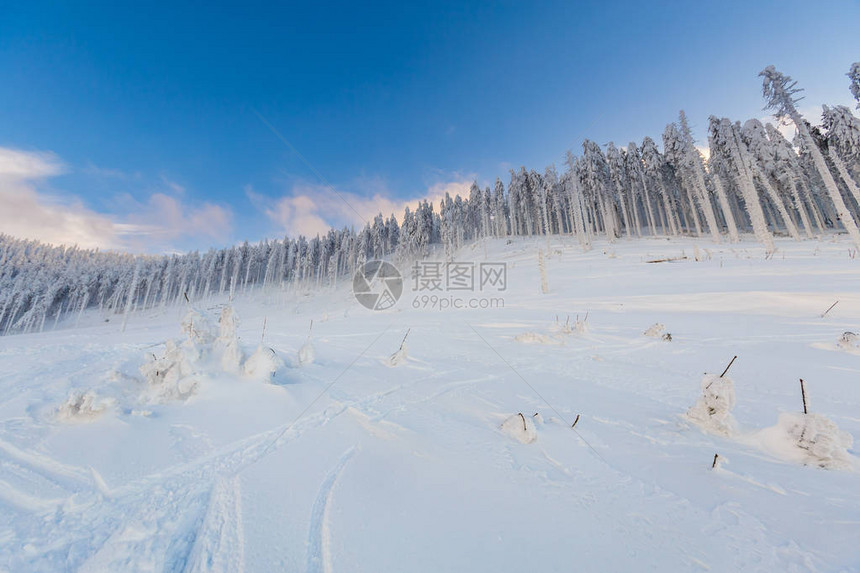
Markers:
(655, 330)
(712, 411)
(81, 407)
(263, 364)
(849, 341)
(520, 428)
(810, 439)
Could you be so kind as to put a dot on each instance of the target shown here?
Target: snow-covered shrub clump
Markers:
(197, 328)
(307, 355)
(172, 376)
(849, 341)
(713, 410)
(563, 328)
(812, 439)
(263, 364)
(559, 332)
(400, 356)
(537, 338)
(81, 407)
(227, 343)
(520, 428)
(655, 330)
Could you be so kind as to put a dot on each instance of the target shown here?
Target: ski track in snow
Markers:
(319, 533)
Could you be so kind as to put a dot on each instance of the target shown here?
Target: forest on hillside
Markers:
(752, 181)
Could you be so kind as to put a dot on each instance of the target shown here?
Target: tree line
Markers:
(753, 180)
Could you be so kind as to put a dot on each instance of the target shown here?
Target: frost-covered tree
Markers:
(654, 163)
(780, 92)
(854, 76)
(725, 141)
(757, 143)
(636, 174)
(843, 142)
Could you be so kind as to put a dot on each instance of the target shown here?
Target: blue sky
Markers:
(136, 128)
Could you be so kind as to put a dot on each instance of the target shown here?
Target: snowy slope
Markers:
(348, 463)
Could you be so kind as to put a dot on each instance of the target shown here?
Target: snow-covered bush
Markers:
(227, 344)
(563, 328)
(173, 375)
(520, 428)
(401, 355)
(655, 330)
(812, 439)
(263, 364)
(197, 328)
(81, 407)
(713, 410)
(581, 326)
(537, 338)
(849, 341)
(307, 355)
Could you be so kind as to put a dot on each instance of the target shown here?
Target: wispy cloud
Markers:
(31, 209)
(309, 209)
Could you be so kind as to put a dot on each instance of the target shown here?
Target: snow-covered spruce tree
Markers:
(499, 216)
(758, 146)
(636, 173)
(779, 91)
(576, 203)
(854, 76)
(843, 144)
(618, 179)
(724, 140)
(555, 201)
(675, 152)
(653, 162)
(788, 167)
(683, 156)
(593, 174)
(697, 167)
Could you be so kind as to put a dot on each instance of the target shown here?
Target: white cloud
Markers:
(27, 210)
(20, 165)
(314, 209)
(164, 217)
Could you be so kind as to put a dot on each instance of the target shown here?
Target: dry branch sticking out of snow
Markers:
(521, 428)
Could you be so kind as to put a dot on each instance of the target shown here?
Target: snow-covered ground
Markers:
(352, 461)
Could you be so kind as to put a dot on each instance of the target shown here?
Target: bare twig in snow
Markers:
(829, 309)
(803, 395)
(729, 366)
